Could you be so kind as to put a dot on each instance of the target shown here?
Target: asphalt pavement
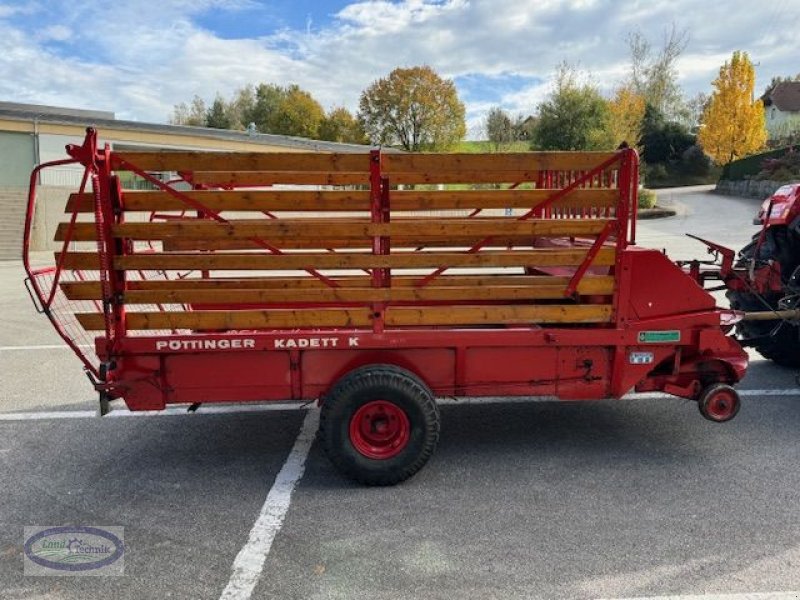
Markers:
(611, 499)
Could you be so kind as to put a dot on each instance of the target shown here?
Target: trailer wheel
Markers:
(719, 403)
(379, 425)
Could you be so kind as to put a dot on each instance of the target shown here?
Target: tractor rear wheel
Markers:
(379, 424)
(774, 340)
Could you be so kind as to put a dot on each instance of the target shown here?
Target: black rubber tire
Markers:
(783, 348)
(395, 385)
(709, 392)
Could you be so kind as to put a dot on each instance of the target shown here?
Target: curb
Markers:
(658, 212)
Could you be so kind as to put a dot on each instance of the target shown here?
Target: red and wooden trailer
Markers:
(374, 283)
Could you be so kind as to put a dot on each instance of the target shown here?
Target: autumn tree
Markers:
(297, 113)
(499, 128)
(733, 123)
(574, 117)
(414, 108)
(625, 116)
(339, 125)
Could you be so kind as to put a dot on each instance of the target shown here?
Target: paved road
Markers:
(538, 500)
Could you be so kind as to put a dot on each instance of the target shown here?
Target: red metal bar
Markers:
(377, 214)
(572, 286)
(65, 245)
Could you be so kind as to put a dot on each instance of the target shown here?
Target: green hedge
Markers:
(745, 168)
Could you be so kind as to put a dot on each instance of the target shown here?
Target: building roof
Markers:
(105, 120)
(785, 96)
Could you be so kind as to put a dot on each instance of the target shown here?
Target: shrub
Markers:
(695, 162)
(647, 198)
(784, 168)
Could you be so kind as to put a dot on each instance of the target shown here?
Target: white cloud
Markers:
(56, 33)
(139, 58)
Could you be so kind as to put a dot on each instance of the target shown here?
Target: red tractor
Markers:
(763, 280)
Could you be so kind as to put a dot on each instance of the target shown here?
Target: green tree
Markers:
(217, 116)
(733, 123)
(339, 125)
(267, 98)
(574, 117)
(499, 128)
(297, 113)
(414, 108)
(663, 141)
(241, 107)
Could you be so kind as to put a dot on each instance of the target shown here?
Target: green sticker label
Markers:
(662, 337)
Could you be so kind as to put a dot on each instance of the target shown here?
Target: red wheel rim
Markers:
(721, 405)
(380, 430)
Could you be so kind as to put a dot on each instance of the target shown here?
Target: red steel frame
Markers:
(666, 332)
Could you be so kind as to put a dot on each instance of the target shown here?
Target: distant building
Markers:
(782, 108)
(32, 134)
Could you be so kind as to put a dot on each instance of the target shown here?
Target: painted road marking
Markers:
(249, 563)
(753, 596)
(42, 347)
(222, 409)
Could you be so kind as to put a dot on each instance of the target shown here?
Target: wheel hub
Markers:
(380, 430)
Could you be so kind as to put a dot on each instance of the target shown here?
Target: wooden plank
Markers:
(351, 201)
(91, 290)
(264, 178)
(295, 201)
(344, 162)
(408, 243)
(347, 295)
(544, 257)
(313, 229)
(512, 161)
(181, 160)
(395, 317)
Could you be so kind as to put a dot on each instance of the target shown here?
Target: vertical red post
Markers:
(108, 211)
(634, 157)
(379, 245)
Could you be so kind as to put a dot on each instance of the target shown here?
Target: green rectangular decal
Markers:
(659, 337)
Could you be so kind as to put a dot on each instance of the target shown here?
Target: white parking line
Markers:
(753, 596)
(41, 347)
(249, 563)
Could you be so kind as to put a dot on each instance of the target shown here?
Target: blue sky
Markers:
(141, 57)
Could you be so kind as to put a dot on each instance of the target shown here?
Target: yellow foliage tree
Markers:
(626, 114)
(733, 123)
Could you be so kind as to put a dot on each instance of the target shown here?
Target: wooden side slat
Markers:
(180, 160)
(258, 178)
(91, 290)
(409, 260)
(357, 295)
(409, 243)
(312, 229)
(512, 161)
(343, 201)
(394, 317)
(393, 164)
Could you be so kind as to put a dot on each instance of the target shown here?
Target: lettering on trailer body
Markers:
(314, 342)
(201, 344)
